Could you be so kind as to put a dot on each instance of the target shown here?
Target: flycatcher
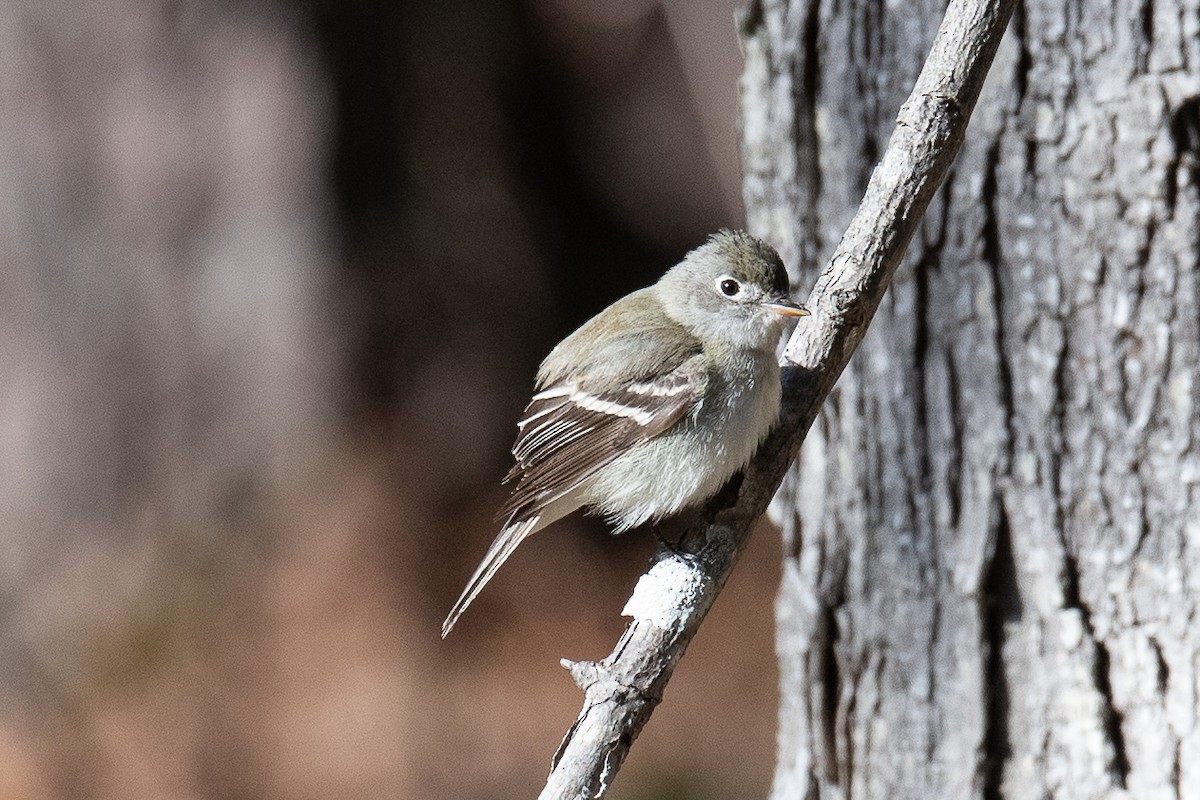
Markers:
(655, 402)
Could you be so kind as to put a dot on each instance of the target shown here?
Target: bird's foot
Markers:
(673, 548)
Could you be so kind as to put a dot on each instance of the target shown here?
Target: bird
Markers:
(654, 403)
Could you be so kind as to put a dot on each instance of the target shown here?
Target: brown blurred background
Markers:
(276, 281)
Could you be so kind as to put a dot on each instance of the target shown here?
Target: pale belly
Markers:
(681, 468)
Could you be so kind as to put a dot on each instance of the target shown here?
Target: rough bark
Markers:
(989, 535)
(672, 599)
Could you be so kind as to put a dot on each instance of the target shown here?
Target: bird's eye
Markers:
(729, 287)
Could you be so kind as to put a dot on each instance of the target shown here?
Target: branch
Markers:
(673, 597)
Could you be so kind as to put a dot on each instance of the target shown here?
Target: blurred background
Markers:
(276, 280)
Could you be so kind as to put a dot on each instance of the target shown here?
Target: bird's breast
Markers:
(692, 460)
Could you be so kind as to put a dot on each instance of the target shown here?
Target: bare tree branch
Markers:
(674, 596)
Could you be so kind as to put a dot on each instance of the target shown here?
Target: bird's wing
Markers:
(573, 428)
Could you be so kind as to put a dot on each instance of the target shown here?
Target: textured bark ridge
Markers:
(991, 536)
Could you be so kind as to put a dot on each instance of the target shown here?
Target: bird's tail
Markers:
(503, 547)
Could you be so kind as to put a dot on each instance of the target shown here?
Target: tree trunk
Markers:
(988, 535)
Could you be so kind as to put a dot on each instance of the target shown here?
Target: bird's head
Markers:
(732, 289)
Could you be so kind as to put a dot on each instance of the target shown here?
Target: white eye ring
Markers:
(729, 286)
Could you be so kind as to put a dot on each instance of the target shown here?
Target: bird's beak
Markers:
(785, 306)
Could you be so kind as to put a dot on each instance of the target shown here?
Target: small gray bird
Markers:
(655, 402)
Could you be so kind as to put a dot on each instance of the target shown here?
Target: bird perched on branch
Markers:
(655, 402)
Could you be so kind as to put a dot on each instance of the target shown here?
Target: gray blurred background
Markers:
(276, 281)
